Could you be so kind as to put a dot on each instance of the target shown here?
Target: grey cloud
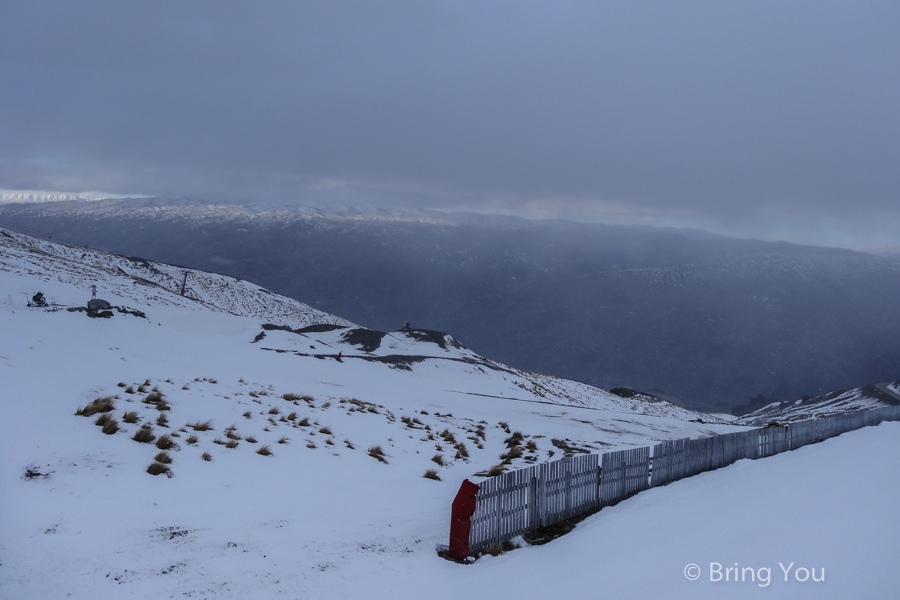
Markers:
(729, 112)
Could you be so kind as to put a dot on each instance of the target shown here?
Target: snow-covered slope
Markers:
(135, 280)
(339, 509)
(825, 405)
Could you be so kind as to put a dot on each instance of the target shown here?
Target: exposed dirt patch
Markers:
(367, 339)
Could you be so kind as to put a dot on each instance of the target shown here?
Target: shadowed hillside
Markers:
(710, 322)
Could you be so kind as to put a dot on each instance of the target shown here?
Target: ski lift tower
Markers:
(184, 283)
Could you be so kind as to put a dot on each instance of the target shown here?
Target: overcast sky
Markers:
(772, 119)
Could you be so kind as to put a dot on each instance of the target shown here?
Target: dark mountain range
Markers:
(706, 321)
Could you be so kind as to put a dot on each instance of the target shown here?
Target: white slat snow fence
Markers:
(520, 501)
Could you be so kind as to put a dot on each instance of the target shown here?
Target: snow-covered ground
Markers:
(321, 517)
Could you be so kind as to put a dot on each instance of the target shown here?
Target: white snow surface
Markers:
(122, 279)
(321, 518)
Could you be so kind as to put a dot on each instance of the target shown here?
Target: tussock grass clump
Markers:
(531, 446)
(292, 416)
(438, 459)
(514, 452)
(514, 440)
(99, 405)
(496, 470)
(192, 439)
(144, 435)
(152, 398)
(121, 384)
(163, 457)
(142, 389)
(219, 441)
(274, 411)
(247, 415)
(201, 426)
(231, 444)
(284, 439)
(448, 436)
(291, 397)
(185, 387)
(251, 439)
(129, 390)
(108, 424)
(349, 444)
(162, 420)
(377, 453)
(206, 456)
(304, 422)
(163, 405)
(504, 426)
(325, 431)
(431, 474)
(326, 405)
(329, 442)
(130, 417)
(461, 451)
(165, 442)
(230, 434)
(264, 451)
(310, 445)
(157, 468)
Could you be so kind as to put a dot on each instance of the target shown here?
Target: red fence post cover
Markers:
(463, 509)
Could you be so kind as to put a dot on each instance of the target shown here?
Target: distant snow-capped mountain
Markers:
(31, 197)
(837, 402)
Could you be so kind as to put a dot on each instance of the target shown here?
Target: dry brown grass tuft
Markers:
(152, 398)
(157, 468)
(461, 451)
(165, 442)
(274, 411)
(219, 441)
(129, 390)
(496, 470)
(144, 435)
(231, 444)
(162, 420)
(201, 426)
(164, 458)
(191, 439)
(130, 417)
(514, 452)
(109, 425)
(99, 405)
(325, 431)
(284, 440)
(349, 444)
(292, 416)
(251, 439)
(206, 456)
(531, 446)
(431, 474)
(247, 415)
(291, 397)
(304, 422)
(514, 440)
(377, 453)
(264, 451)
(438, 459)
(121, 384)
